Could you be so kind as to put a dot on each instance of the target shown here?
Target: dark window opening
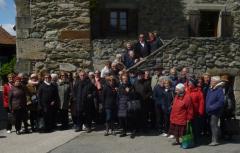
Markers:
(208, 26)
(118, 22)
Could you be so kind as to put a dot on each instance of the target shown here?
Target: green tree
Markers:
(7, 68)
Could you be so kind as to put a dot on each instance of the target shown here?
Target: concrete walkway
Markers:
(97, 143)
(70, 142)
(34, 142)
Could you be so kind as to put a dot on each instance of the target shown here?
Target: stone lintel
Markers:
(72, 35)
(206, 7)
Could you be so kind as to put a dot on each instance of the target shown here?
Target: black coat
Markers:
(168, 100)
(48, 94)
(123, 98)
(143, 90)
(85, 93)
(142, 51)
(109, 97)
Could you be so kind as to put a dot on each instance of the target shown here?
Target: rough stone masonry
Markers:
(53, 34)
(56, 35)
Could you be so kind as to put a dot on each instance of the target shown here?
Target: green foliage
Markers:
(7, 68)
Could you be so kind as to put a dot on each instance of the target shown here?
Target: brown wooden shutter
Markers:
(226, 24)
(194, 20)
(105, 19)
(132, 22)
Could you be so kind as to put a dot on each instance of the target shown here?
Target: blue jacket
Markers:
(215, 101)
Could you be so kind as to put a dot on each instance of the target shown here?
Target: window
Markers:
(210, 24)
(118, 21)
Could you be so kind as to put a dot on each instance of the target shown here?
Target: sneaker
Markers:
(164, 134)
(213, 144)
(171, 137)
(9, 131)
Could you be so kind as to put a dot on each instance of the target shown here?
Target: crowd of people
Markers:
(132, 101)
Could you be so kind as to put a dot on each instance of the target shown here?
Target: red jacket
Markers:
(182, 110)
(197, 99)
(6, 88)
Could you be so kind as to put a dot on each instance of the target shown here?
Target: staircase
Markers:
(151, 59)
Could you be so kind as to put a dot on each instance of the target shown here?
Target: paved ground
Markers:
(70, 142)
(34, 142)
(97, 143)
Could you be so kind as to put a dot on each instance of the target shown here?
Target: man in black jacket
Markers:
(85, 94)
(142, 47)
(143, 91)
(49, 99)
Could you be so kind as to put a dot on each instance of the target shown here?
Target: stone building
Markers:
(66, 34)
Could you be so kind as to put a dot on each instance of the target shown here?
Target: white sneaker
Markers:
(8, 131)
(171, 137)
(164, 134)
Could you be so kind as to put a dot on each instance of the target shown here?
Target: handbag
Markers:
(232, 126)
(34, 99)
(133, 105)
(187, 139)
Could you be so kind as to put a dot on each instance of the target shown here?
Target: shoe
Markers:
(213, 144)
(123, 135)
(88, 130)
(132, 136)
(26, 131)
(106, 133)
(18, 132)
(171, 137)
(164, 134)
(176, 143)
(78, 129)
(9, 131)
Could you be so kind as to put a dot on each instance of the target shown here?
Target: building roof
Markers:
(6, 38)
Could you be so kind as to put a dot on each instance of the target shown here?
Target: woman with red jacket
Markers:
(6, 88)
(182, 112)
(197, 99)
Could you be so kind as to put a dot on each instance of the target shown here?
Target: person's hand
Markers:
(29, 103)
(52, 103)
(89, 95)
(127, 89)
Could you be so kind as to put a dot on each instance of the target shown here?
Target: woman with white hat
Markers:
(181, 114)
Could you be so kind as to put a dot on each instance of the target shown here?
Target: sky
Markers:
(7, 15)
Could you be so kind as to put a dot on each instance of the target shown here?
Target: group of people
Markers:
(133, 101)
(137, 101)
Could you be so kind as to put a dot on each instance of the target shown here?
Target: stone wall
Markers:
(233, 6)
(200, 55)
(106, 49)
(53, 34)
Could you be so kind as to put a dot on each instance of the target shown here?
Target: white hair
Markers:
(180, 86)
(54, 76)
(215, 78)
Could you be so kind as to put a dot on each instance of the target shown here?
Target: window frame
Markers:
(118, 24)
